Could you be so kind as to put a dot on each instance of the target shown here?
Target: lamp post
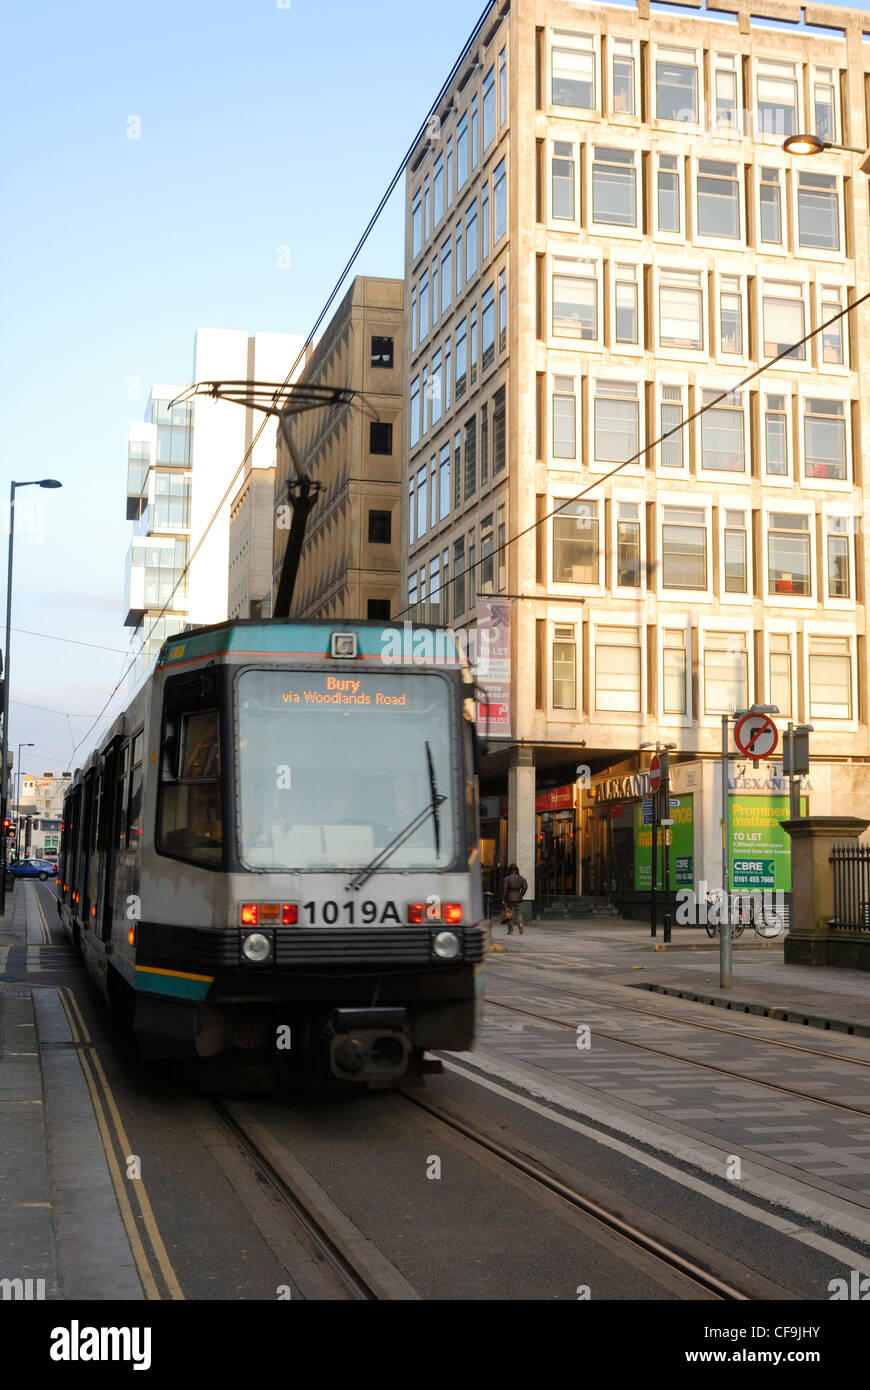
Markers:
(725, 927)
(18, 794)
(814, 144)
(4, 755)
(661, 797)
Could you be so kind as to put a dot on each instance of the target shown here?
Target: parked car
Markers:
(34, 868)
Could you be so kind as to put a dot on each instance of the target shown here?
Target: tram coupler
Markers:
(369, 1044)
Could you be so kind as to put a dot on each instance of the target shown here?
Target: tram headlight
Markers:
(446, 945)
(257, 947)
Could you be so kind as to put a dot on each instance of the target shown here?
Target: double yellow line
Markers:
(149, 1252)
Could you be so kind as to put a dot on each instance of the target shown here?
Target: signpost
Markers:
(756, 736)
(655, 774)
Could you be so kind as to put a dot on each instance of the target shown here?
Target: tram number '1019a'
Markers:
(367, 912)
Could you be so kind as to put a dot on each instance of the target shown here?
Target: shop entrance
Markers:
(555, 855)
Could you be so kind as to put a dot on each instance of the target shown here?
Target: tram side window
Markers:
(134, 800)
(190, 823)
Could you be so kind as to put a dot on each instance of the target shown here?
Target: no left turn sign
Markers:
(756, 735)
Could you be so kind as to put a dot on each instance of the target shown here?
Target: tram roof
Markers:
(389, 643)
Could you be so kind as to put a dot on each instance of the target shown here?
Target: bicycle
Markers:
(746, 910)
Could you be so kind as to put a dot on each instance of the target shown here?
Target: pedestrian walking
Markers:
(514, 890)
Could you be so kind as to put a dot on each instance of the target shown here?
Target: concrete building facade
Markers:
(604, 238)
(351, 557)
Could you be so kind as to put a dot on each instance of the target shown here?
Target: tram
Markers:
(274, 849)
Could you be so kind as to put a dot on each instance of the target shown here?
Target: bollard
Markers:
(667, 924)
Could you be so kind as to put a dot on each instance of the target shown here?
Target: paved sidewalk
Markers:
(761, 983)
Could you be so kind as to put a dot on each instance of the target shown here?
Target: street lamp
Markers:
(18, 797)
(814, 144)
(663, 795)
(4, 755)
(725, 927)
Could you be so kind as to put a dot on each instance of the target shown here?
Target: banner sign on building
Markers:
(760, 848)
(682, 846)
(493, 667)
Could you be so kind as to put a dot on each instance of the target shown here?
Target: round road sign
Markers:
(655, 774)
(756, 735)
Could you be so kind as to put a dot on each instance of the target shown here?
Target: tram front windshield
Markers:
(333, 767)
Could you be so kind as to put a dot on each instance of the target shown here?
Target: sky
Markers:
(156, 159)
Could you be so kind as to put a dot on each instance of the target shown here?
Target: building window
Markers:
(573, 72)
(487, 328)
(830, 672)
(449, 153)
(628, 545)
(499, 202)
(382, 352)
(459, 262)
(736, 566)
(412, 590)
(564, 418)
(617, 669)
(788, 554)
(474, 131)
(673, 671)
(564, 667)
(575, 544)
(672, 454)
(775, 436)
(839, 577)
(422, 512)
(380, 437)
(414, 424)
(614, 187)
(730, 314)
(575, 306)
(726, 672)
(435, 581)
(824, 439)
(472, 575)
(718, 199)
(425, 397)
(417, 224)
(617, 421)
(684, 548)
(378, 610)
(457, 470)
(470, 457)
(472, 345)
(380, 528)
(446, 275)
(824, 103)
(413, 318)
(459, 577)
(626, 306)
(462, 153)
(777, 98)
(681, 309)
(484, 222)
(444, 483)
(489, 108)
(676, 85)
(448, 375)
(461, 360)
(471, 241)
(411, 511)
(782, 309)
(668, 198)
(502, 87)
(622, 77)
(435, 388)
(722, 438)
(818, 211)
(501, 552)
(502, 310)
(499, 453)
(564, 200)
(779, 672)
(725, 92)
(487, 559)
(833, 346)
(424, 305)
(770, 206)
(438, 191)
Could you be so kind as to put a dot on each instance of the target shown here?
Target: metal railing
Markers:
(850, 868)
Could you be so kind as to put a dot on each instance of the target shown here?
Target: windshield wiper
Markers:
(431, 810)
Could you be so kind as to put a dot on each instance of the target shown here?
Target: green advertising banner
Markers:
(682, 847)
(760, 848)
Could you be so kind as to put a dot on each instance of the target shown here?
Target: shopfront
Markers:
(556, 843)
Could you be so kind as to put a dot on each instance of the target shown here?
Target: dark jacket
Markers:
(514, 888)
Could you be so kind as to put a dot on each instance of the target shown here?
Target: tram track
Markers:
(543, 1179)
(691, 1061)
